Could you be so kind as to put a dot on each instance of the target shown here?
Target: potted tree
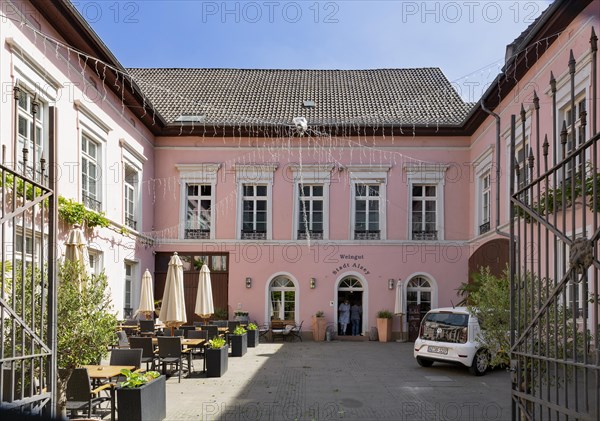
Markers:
(142, 396)
(319, 326)
(241, 316)
(253, 335)
(239, 342)
(384, 325)
(216, 357)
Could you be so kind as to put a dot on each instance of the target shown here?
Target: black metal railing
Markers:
(91, 203)
(485, 227)
(254, 235)
(367, 234)
(312, 234)
(197, 234)
(425, 235)
(131, 223)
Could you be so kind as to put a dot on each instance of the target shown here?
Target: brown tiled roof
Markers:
(421, 97)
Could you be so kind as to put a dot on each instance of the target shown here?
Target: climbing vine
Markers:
(74, 212)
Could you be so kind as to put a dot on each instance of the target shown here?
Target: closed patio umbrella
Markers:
(399, 304)
(204, 298)
(76, 250)
(172, 312)
(146, 295)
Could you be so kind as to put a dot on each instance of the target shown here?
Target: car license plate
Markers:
(437, 350)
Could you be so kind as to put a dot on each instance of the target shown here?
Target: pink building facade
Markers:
(393, 182)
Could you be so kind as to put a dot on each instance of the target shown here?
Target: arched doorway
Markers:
(351, 288)
(282, 299)
(419, 296)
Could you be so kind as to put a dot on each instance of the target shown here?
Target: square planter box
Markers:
(216, 361)
(384, 329)
(253, 336)
(145, 403)
(239, 344)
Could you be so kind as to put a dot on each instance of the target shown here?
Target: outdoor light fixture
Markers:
(248, 282)
(313, 283)
(390, 284)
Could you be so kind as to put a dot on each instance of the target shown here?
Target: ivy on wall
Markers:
(74, 212)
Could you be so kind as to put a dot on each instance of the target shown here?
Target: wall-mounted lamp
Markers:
(390, 284)
(313, 283)
(248, 282)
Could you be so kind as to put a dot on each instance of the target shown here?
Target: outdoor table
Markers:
(106, 372)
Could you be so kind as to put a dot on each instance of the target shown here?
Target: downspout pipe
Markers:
(497, 117)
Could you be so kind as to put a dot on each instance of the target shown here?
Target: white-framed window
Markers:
(310, 211)
(282, 302)
(368, 201)
(485, 196)
(255, 187)
(424, 212)
(426, 197)
(311, 201)
(28, 244)
(254, 216)
(483, 190)
(32, 127)
(576, 134)
(198, 211)
(127, 294)
(96, 261)
(420, 291)
(91, 153)
(131, 196)
(198, 195)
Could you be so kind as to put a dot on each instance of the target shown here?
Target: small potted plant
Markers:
(319, 326)
(216, 357)
(142, 396)
(239, 341)
(253, 335)
(384, 325)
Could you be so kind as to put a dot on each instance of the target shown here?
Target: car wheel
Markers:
(480, 364)
(424, 362)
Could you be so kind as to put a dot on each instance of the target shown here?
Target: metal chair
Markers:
(122, 341)
(148, 354)
(263, 332)
(126, 357)
(212, 330)
(231, 325)
(80, 394)
(169, 352)
(147, 327)
(199, 350)
(296, 331)
(179, 332)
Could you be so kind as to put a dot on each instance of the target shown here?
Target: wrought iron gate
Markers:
(555, 355)
(27, 281)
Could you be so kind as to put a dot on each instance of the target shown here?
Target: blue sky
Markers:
(466, 39)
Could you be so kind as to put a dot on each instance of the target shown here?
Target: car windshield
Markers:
(445, 327)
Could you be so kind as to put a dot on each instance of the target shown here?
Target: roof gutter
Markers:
(498, 172)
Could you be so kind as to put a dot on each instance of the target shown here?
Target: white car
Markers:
(451, 335)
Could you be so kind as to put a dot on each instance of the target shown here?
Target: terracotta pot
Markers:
(319, 325)
(384, 329)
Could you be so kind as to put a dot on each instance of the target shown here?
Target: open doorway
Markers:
(350, 289)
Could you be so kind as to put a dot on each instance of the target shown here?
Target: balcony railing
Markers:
(254, 235)
(425, 235)
(131, 223)
(91, 203)
(485, 227)
(367, 235)
(197, 234)
(312, 234)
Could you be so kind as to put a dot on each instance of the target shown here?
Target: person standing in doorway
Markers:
(344, 316)
(355, 314)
